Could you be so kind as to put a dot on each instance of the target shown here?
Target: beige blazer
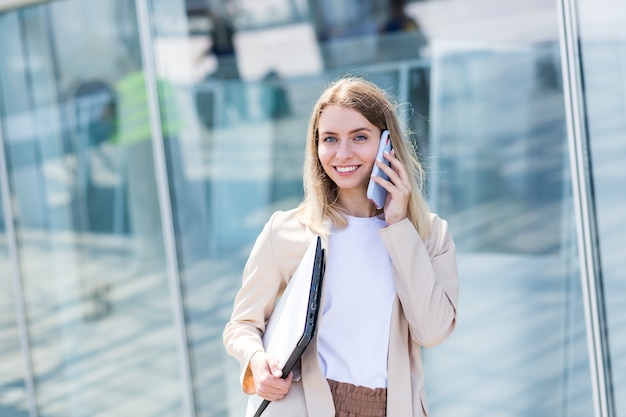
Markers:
(424, 312)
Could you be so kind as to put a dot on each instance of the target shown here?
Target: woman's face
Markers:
(347, 147)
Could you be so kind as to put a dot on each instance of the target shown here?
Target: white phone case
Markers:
(375, 192)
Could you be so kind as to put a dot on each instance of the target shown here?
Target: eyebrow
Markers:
(360, 129)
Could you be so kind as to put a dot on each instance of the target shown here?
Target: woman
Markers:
(391, 282)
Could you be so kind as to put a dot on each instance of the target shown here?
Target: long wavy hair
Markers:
(320, 207)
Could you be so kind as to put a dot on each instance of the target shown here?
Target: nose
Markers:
(345, 150)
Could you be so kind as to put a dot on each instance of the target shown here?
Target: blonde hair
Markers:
(319, 207)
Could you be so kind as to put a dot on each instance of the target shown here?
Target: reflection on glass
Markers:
(487, 106)
(503, 181)
(482, 88)
(13, 401)
(88, 220)
(603, 53)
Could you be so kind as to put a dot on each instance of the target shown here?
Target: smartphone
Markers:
(375, 192)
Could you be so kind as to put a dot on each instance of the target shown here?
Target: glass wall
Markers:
(603, 53)
(500, 174)
(87, 218)
(148, 142)
(13, 398)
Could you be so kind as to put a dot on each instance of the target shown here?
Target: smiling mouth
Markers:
(345, 170)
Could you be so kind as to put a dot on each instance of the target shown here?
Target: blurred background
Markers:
(145, 143)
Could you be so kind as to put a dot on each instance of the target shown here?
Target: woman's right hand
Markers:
(267, 377)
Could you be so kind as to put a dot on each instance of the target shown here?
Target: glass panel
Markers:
(603, 53)
(483, 86)
(501, 176)
(13, 401)
(502, 180)
(237, 80)
(88, 218)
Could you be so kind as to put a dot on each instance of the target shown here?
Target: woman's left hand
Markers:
(398, 189)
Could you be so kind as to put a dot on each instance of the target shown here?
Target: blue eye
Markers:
(360, 138)
(330, 139)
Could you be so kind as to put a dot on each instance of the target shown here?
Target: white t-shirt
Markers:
(353, 337)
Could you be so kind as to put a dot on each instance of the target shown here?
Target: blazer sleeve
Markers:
(262, 282)
(425, 277)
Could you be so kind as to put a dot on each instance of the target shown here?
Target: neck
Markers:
(357, 206)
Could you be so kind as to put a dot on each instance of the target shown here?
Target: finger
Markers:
(394, 176)
(275, 367)
(289, 378)
(275, 388)
(398, 174)
(391, 156)
(270, 396)
(398, 188)
(393, 160)
(396, 164)
(387, 185)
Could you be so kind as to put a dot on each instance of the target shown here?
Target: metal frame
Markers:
(583, 193)
(165, 203)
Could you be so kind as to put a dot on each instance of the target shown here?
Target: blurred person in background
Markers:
(399, 21)
(134, 137)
